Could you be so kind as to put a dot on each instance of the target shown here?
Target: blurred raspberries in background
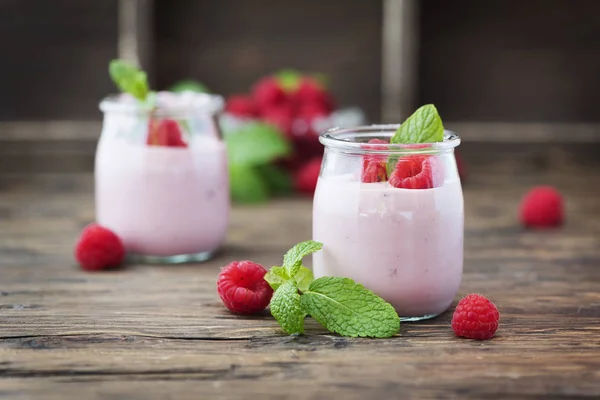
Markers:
(272, 134)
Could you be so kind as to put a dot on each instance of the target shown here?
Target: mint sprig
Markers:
(423, 126)
(339, 304)
(129, 79)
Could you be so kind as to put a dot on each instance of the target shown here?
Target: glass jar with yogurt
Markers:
(161, 179)
(390, 216)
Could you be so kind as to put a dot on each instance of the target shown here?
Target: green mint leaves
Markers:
(339, 304)
(276, 276)
(189, 85)
(423, 126)
(290, 79)
(292, 260)
(345, 307)
(286, 308)
(251, 151)
(129, 79)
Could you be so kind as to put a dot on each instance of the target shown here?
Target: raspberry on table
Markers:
(242, 287)
(98, 248)
(542, 207)
(475, 317)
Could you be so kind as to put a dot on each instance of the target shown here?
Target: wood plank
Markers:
(161, 332)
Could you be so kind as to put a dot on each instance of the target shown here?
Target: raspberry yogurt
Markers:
(403, 237)
(161, 176)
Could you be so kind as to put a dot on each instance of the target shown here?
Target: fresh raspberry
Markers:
(281, 117)
(307, 176)
(310, 112)
(417, 172)
(268, 93)
(542, 207)
(165, 132)
(242, 287)
(98, 248)
(310, 92)
(475, 317)
(307, 146)
(241, 106)
(375, 165)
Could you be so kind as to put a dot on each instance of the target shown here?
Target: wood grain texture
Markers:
(161, 332)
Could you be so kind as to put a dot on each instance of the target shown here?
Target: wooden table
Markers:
(161, 332)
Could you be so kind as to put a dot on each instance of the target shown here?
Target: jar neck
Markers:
(356, 141)
(164, 105)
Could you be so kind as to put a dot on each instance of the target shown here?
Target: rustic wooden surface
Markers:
(148, 332)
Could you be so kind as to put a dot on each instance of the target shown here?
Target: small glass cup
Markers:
(161, 179)
(400, 234)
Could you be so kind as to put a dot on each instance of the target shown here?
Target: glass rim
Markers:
(337, 138)
(208, 104)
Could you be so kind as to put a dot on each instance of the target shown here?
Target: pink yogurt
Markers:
(163, 201)
(406, 245)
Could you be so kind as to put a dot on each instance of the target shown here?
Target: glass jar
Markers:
(161, 179)
(400, 234)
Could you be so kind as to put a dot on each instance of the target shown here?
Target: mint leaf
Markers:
(246, 184)
(423, 126)
(189, 85)
(278, 180)
(285, 307)
(292, 260)
(304, 278)
(349, 309)
(276, 276)
(129, 78)
(256, 144)
(288, 79)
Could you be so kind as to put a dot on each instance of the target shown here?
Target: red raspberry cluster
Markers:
(293, 110)
(409, 171)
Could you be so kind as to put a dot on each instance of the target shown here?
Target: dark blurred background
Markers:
(496, 69)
